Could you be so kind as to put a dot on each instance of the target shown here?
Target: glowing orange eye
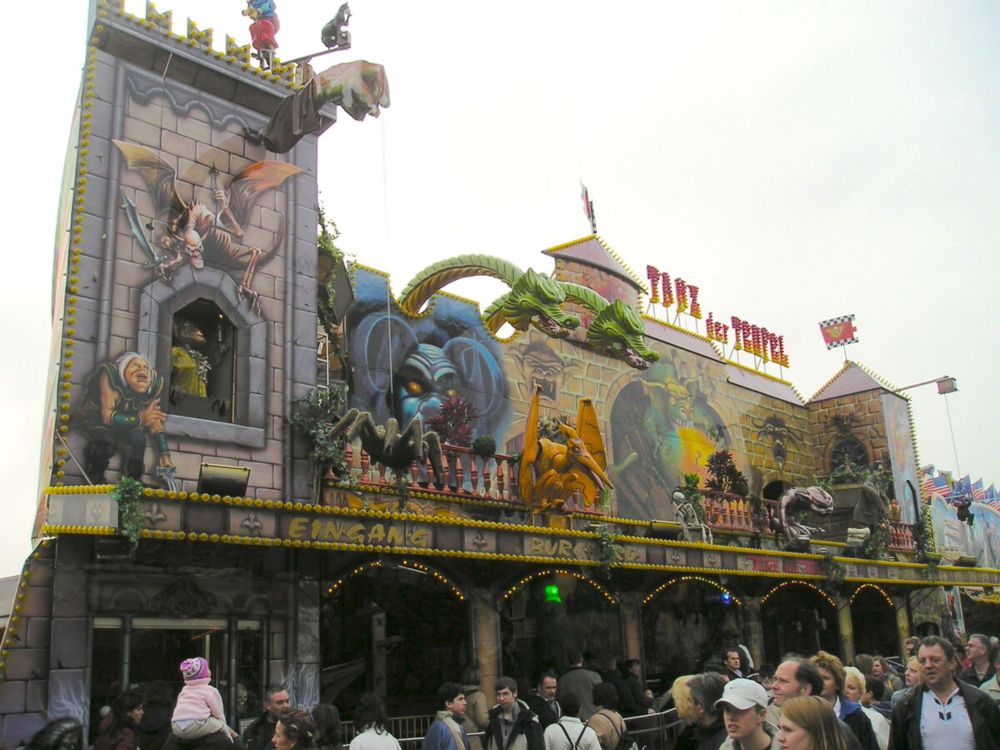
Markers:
(414, 388)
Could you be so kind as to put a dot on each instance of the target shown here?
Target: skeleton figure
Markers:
(691, 525)
(194, 232)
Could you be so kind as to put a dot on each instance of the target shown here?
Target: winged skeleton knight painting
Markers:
(194, 233)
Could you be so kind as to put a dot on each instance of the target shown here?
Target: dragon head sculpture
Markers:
(535, 299)
(619, 331)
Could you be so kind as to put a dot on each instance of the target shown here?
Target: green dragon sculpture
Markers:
(616, 328)
(536, 299)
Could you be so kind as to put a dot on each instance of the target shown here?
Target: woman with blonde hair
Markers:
(808, 723)
(912, 676)
(855, 686)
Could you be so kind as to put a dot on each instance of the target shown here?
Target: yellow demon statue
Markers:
(551, 472)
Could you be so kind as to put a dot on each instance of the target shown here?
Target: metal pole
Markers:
(951, 430)
(232, 692)
(126, 650)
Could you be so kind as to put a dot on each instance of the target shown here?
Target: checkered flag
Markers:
(839, 331)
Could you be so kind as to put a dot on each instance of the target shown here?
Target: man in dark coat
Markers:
(944, 713)
(544, 702)
(259, 734)
(580, 680)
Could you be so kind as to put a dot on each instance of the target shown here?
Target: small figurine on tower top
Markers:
(263, 30)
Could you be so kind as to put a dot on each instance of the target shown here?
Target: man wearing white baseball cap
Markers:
(744, 708)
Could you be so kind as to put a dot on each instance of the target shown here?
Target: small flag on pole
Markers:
(978, 491)
(588, 207)
(839, 331)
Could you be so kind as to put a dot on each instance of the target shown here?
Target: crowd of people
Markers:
(948, 698)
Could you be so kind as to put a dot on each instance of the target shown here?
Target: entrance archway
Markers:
(800, 618)
(392, 627)
(873, 619)
(548, 614)
(687, 621)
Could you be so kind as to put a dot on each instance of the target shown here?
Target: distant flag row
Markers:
(943, 485)
(839, 331)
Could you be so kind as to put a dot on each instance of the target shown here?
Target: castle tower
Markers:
(186, 305)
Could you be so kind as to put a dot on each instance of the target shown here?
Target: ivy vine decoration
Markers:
(313, 418)
(605, 500)
(877, 543)
(550, 430)
(923, 533)
(328, 233)
(758, 519)
(691, 491)
(833, 573)
(130, 521)
(611, 551)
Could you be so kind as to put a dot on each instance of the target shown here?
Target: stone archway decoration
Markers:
(184, 598)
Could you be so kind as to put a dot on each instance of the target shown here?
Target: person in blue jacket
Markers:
(447, 732)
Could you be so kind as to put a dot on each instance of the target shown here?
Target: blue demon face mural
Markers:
(409, 366)
(427, 378)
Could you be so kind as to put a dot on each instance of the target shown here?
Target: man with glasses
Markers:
(513, 726)
(944, 713)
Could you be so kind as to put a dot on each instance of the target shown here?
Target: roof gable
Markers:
(852, 378)
(593, 251)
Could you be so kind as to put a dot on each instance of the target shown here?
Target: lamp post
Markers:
(945, 385)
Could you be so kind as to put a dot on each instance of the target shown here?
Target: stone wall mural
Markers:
(902, 454)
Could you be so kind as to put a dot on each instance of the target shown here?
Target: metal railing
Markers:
(650, 731)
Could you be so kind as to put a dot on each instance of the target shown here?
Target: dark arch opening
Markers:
(873, 620)
(686, 625)
(774, 490)
(553, 615)
(395, 628)
(798, 618)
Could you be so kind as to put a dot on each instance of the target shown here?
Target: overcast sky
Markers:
(796, 160)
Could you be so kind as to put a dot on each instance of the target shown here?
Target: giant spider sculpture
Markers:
(390, 446)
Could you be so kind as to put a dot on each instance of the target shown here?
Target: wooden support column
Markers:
(485, 622)
(846, 628)
(630, 619)
(902, 607)
(755, 630)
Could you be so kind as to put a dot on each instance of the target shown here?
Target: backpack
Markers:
(625, 742)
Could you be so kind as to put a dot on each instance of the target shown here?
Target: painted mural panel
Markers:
(192, 229)
(175, 362)
(980, 540)
(407, 366)
(899, 438)
(664, 425)
(658, 423)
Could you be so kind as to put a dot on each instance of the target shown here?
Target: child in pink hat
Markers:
(199, 711)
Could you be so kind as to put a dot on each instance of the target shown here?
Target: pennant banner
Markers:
(839, 331)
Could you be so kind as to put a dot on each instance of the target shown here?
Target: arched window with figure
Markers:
(202, 357)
